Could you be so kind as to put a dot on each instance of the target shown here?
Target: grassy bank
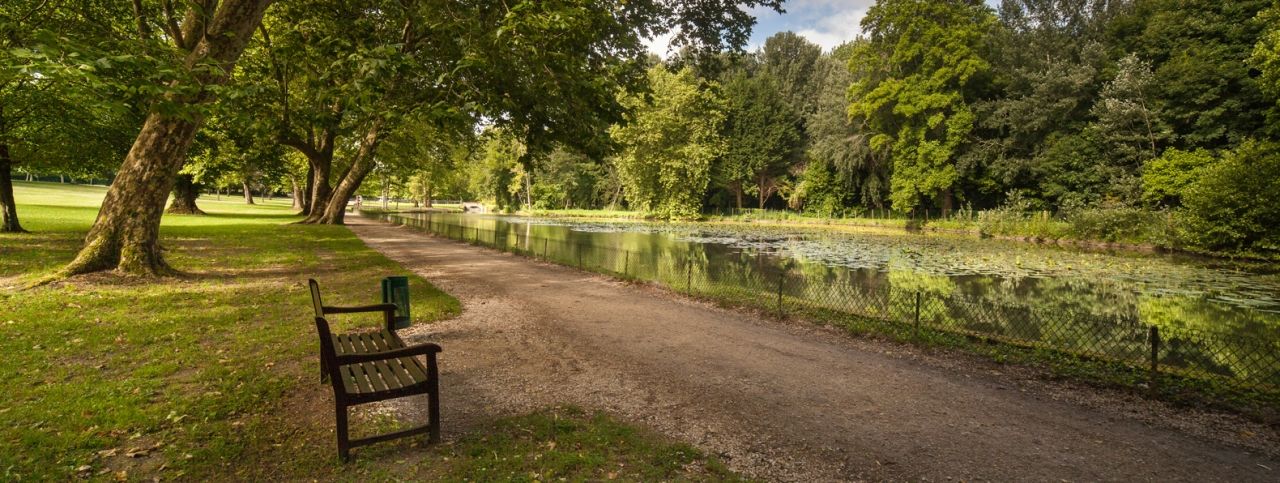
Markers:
(213, 374)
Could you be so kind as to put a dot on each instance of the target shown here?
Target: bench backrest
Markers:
(328, 354)
(315, 297)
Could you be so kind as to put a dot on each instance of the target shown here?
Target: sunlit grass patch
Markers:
(213, 374)
(101, 366)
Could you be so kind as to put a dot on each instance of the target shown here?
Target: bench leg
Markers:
(433, 398)
(344, 442)
(433, 416)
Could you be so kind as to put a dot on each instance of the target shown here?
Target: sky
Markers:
(827, 23)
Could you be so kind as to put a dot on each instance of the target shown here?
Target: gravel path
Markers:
(788, 402)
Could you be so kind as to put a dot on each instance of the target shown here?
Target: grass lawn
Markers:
(213, 374)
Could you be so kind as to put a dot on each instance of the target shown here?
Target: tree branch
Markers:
(171, 24)
(141, 17)
(195, 24)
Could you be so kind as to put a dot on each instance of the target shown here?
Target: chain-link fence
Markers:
(867, 303)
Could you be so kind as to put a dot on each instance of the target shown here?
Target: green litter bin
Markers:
(395, 290)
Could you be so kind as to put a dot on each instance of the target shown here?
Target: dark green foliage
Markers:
(917, 76)
(1233, 203)
(567, 180)
(1200, 50)
(763, 136)
(825, 191)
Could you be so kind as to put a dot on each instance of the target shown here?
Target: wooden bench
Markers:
(353, 343)
(375, 366)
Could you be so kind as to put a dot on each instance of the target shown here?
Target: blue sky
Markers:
(824, 22)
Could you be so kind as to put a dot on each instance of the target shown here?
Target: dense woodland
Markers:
(1150, 116)
(1145, 120)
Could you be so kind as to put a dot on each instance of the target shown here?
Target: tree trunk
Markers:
(426, 202)
(335, 211)
(322, 193)
(8, 208)
(737, 191)
(248, 194)
(185, 193)
(307, 190)
(126, 234)
(297, 193)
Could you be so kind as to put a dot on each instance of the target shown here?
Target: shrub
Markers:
(1166, 178)
(1119, 224)
(1233, 205)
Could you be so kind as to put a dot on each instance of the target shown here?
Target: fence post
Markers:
(688, 276)
(782, 276)
(1154, 376)
(579, 250)
(626, 263)
(544, 248)
(917, 313)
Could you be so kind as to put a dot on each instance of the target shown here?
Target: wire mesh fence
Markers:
(870, 304)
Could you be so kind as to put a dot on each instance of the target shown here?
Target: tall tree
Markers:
(917, 77)
(53, 124)
(202, 48)
(1266, 58)
(845, 168)
(1050, 62)
(792, 61)
(1130, 125)
(1199, 51)
(547, 72)
(762, 133)
(667, 151)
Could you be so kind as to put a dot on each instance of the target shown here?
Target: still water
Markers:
(1168, 291)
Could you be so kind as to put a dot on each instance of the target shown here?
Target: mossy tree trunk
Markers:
(307, 189)
(126, 234)
(248, 192)
(185, 192)
(297, 193)
(8, 208)
(319, 153)
(336, 210)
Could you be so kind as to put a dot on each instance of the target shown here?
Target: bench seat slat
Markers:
(414, 368)
(391, 374)
(372, 369)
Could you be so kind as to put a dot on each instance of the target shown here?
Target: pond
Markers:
(1026, 291)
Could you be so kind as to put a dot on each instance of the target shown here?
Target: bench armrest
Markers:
(427, 349)
(329, 309)
(388, 312)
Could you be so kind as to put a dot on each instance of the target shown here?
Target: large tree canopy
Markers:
(665, 164)
(917, 77)
(549, 71)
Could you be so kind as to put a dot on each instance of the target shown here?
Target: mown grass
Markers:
(212, 374)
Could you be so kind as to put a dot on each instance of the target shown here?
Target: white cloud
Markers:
(836, 29)
(827, 23)
(660, 45)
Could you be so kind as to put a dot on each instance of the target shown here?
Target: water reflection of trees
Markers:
(1089, 317)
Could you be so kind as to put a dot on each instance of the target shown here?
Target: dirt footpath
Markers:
(787, 401)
